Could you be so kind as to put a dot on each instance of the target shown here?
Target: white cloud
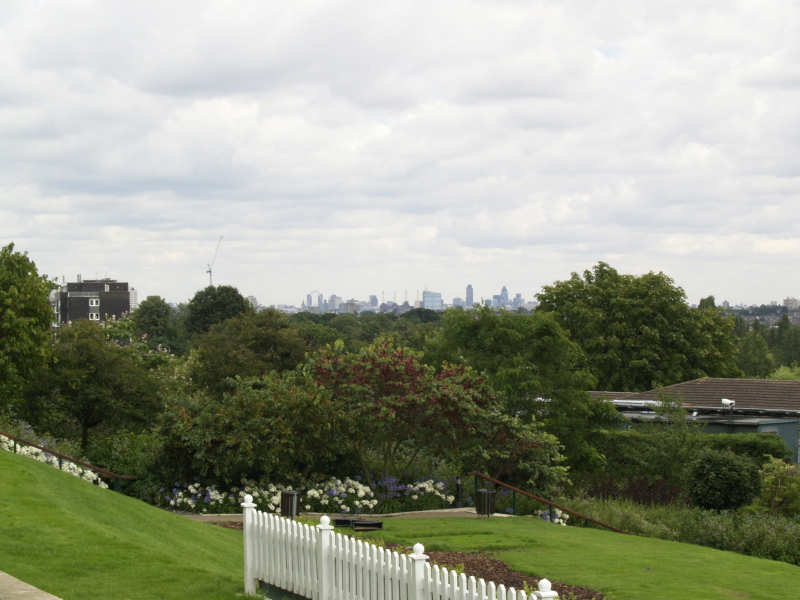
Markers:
(364, 147)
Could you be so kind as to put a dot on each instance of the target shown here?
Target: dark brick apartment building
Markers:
(93, 299)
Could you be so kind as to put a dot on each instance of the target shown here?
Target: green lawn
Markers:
(77, 541)
(621, 566)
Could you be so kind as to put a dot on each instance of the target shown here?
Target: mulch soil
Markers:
(483, 566)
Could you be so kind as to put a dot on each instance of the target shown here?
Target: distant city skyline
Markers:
(479, 297)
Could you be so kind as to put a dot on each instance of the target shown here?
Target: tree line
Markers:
(216, 390)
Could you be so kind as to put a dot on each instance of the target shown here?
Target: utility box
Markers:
(485, 502)
(290, 503)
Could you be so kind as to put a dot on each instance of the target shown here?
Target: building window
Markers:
(94, 316)
(94, 301)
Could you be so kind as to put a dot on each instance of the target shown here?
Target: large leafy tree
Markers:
(399, 409)
(755, 359)
(249, 345)
(91, 381)
(638, 333)
(277, 426)
(25, 318)
(533, 367)
(213, 305)
(157, 324)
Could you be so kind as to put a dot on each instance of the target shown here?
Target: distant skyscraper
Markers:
(432, 300)
(504, 296)
(469, 296)
(373, 301)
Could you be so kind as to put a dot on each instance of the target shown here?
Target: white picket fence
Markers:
(316, 563)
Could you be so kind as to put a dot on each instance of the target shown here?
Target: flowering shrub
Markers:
(47, 458)
(559, 517)
(348, 496)
(335, 495)
(425, 494)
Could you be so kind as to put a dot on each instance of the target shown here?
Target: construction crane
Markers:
(211, 266)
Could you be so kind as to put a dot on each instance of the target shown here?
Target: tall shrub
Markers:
(723, 480)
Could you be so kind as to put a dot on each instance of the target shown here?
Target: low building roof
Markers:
(755, 396)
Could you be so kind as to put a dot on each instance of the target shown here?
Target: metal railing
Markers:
(62, 457)
(516, 490)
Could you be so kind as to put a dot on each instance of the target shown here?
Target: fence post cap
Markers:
(324, 520)
(545, 592)
(418, 552)
(248, 502)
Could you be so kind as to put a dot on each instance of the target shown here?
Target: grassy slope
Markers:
(80, 542)
(623, 567)
(77, 541)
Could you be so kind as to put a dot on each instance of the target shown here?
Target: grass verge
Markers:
(80, 542)
(624, 567)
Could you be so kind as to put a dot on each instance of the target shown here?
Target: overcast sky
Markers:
(356, 148)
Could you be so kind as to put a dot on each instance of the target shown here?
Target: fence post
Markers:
(324, 563)
(418, 586)
(248, 515)
(545, 590)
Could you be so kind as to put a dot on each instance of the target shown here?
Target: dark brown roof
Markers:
(758, 394)
(612, 395)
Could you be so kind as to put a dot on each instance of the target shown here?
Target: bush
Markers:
(635, 461)
(781, 490)
(758, 446)
(126, 453)
(723, 480)
(753, 534)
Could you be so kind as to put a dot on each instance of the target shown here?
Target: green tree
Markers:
(786, 373)
(279, 426)
(249, 345)
(671, 442)
(533, 366)
(787, 349)
(90, 382)
(741, 328)
(316, 336)
(723, 480)
(25, 318)
(780, 494)
(214, 305)
(709, 302)
(158, 325)
(638, 333)
(755, 359)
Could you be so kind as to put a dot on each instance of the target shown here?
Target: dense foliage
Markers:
(638, 333)
(248, 345)
(91, 381)
(25, 317)
(213, 305)
(723, 480)
(533, 366)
